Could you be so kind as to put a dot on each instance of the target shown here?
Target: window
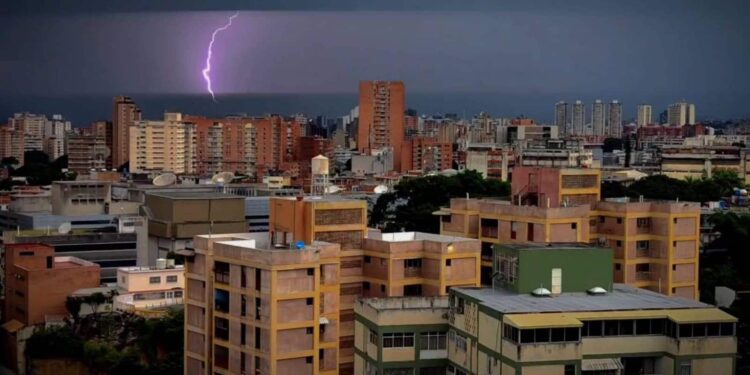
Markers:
(601, 219)
(243, 282)
(641, 245)
(243, 333)
(311, 272)
(309, 330)
(570, 370)
(619, 220)
(432, 341)
(507, 266)
(20, 294)
(685, 366)
(373, 337)
(460, 307)
(460, 342)
(366, 285)
(257, 308)
(221, 329)
(367, 259)
(618, 266)
(154, 280)
(309, 301)
(308, 359)
(619, 243)
(513, 229)
(412, 290)
(412, 263)
(172, 279)
(643, 222)
(221, 272)
(447, 262)
(243, 305)
(257, 342)
(398, 340)
(382, 288)
(573, 225)
(545, 335)
(26, 253)
(510, 333)
(257, 279)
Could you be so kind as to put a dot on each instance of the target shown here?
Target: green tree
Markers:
(613, 189)
(410, 206)
(73, 305)
(611, 144)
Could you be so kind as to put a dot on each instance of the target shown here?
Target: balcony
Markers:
(413, 272)
(644, 275)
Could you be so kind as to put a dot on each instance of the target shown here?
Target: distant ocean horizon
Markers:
(83, 109)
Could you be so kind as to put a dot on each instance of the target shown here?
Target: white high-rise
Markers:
(597, 118)
(644, 115)
(33, 129)
(613, 128)
(162, 146)
(578, 118)
(561, 117)
(681, 113)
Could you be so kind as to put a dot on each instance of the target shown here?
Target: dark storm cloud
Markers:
(630, 50)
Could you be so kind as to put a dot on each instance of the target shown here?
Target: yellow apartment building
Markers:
(655, 244)
(255, 306)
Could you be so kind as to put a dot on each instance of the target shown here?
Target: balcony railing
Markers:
(413, 272)
(644, 275)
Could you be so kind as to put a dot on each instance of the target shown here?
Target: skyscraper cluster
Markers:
(606, 118)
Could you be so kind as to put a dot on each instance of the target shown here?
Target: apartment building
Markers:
(149, 288)
(87, 152)
(401, 335)
(253, 305)
(276, 143)
(678, 161)
(491, 163)
(328, 232)
(655, 243)
(381, 118)
(576, 321)
(556, 154)
(426, 155)
(162, 146)
(555, 187)
(125, 114)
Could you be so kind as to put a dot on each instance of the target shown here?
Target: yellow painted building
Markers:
(364, 264)
(254, 306)
(655, 244)
(625, 330)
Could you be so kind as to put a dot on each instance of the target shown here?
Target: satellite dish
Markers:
(64, 228)
(222, 178)
(332, 189)
(724, 296)
(380, 189)
(164, 179)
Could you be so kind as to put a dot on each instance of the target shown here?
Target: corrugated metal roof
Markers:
(600, 364)
(622, 297)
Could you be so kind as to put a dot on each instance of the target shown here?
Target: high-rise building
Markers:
(426, 154)
(598, 118)
(86, 152)
(162, 146)
(32, 127)
(12, 143)
(681, 113)
(103, 129)
(276, 142)
(125, 113)
(578, 118)
(644, 115)
(561, 117)
(381, 118)
(614, 119)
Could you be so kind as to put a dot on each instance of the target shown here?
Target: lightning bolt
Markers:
(207, 69)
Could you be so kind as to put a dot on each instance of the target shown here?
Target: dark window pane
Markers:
(610, 328)
(572, 334)
(595, 328)
(558, 334)
(657, 326)
(626, 327)
(642, 326)
(712, 329)
(727, 329)
(527, 336)
(542, 335)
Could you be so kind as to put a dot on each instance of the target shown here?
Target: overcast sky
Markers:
(679, 49)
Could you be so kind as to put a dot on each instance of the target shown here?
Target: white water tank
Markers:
(161, 264)
(170, 263)
(319, 165)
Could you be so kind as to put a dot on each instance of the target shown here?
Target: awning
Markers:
(12, 326)
(323, 320)
(601, 364)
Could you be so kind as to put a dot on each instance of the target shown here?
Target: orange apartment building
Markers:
(655, 244)
(37, 283)
(426, 154)
(339, 262)
(381, 118)
(125, 113)
(276, 142)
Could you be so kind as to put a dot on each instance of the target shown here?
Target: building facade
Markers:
(381, 118)
(125, 113)
(644, 117)
(681, 113)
